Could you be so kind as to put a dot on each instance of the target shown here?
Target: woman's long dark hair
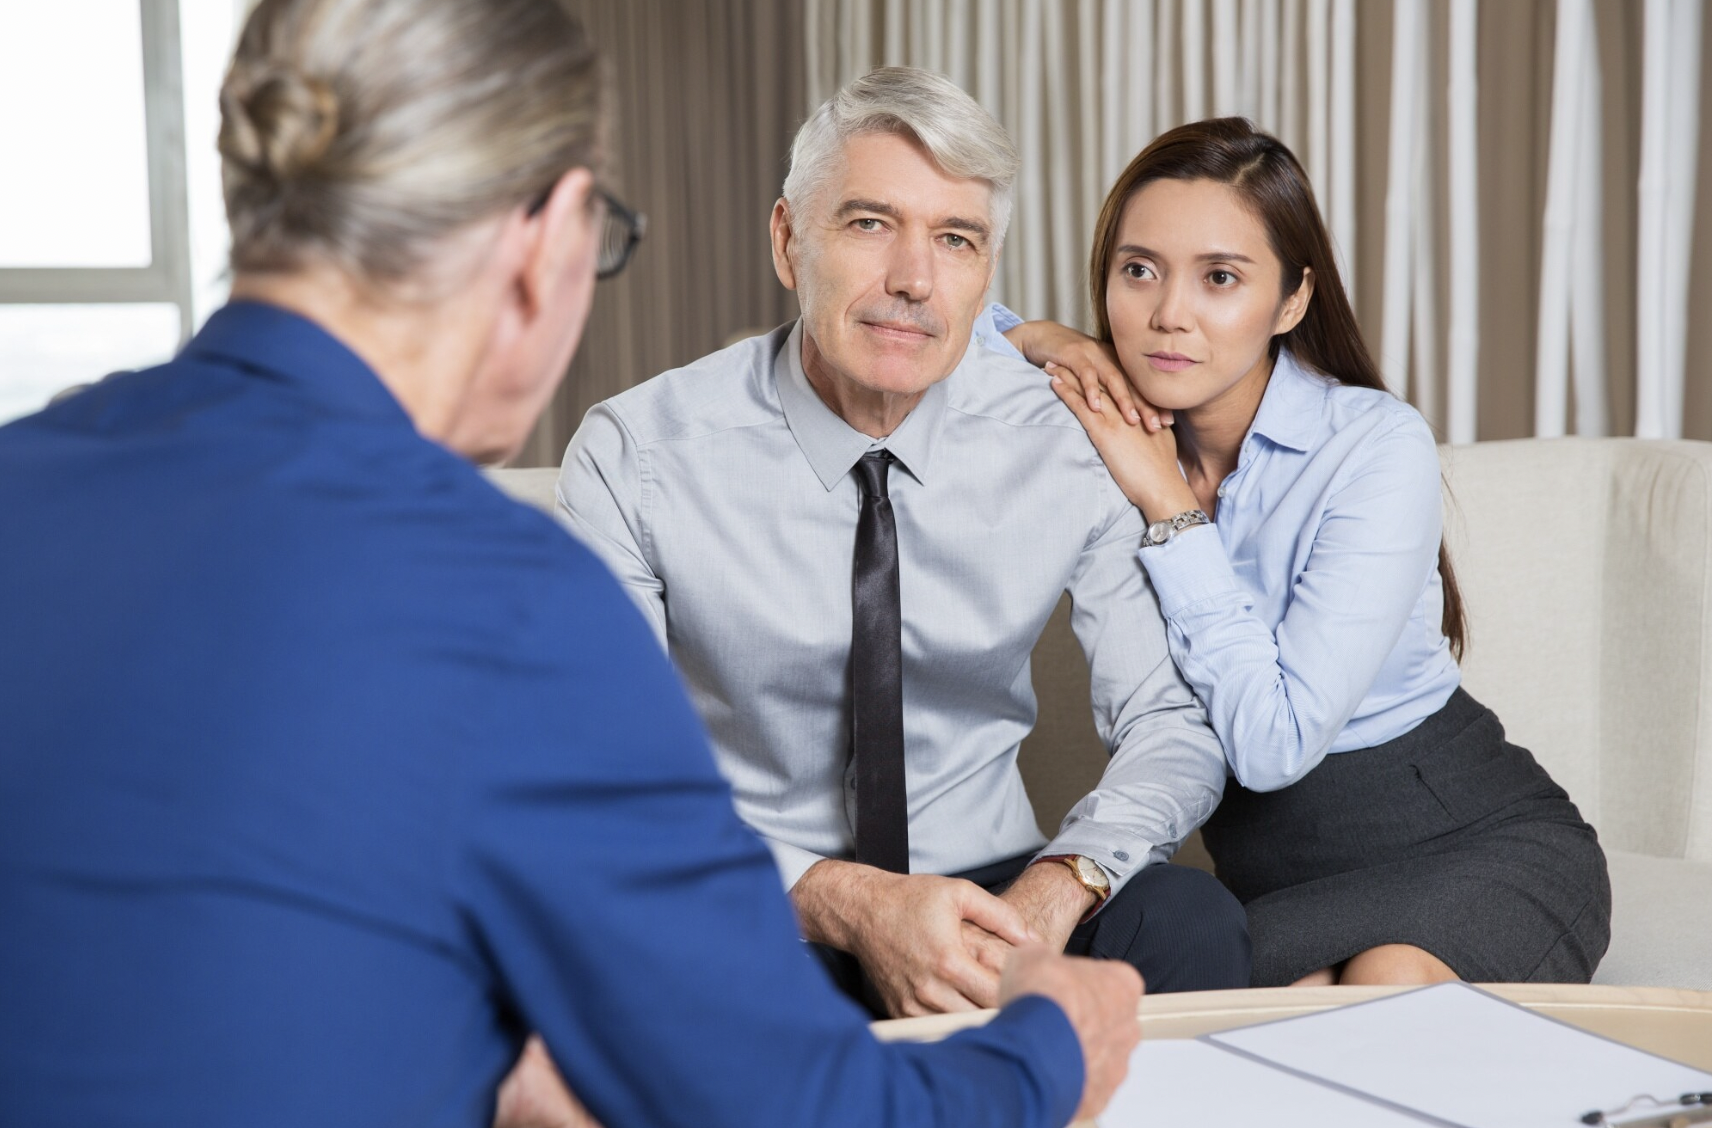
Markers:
(1231, 151)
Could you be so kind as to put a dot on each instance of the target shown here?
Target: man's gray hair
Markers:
(960, 136)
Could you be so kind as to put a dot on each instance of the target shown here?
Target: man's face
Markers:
(890, 265)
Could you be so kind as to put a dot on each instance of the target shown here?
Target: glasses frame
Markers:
(635, 226)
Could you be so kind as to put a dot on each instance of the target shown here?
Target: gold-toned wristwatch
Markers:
(1088, 873)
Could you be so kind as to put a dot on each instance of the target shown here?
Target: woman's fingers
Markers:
(1071, 393)
(1087, 381)
(1101, 381)
(1117, 387)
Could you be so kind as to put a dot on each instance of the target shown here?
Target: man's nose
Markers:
(909, 272)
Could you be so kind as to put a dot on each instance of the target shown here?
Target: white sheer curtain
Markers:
(1083, 84)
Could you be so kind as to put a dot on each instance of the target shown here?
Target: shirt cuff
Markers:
(1121, 861)
(1190, 568)
(793, 861)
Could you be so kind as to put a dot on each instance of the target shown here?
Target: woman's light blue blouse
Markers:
(1307, 617)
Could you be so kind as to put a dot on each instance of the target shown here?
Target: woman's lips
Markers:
(1169, 362)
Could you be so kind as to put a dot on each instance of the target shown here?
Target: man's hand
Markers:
(1050, 900)
(533, 1095)
(930, 944)
(1093, 364)
(1100, 997)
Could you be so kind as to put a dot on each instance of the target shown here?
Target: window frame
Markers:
(167, 278)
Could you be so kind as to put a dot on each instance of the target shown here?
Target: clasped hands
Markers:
(936, 944)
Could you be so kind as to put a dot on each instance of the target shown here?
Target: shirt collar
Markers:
(289, 347)
(831, 445)
(1292, 406)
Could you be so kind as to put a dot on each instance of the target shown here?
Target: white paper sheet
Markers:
(1175, 1083)
(1461, 1055)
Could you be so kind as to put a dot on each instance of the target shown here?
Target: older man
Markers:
(850, 533)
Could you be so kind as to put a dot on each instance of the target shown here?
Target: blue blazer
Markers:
(327, 773)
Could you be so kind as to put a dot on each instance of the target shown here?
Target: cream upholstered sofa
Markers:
(1586, 570)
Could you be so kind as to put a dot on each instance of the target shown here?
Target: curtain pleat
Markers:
(1461, 406)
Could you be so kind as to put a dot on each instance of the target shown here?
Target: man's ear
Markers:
(561, 241)
(784, 242)
(1296, 305)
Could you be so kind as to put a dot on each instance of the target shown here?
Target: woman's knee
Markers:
(1395, 964)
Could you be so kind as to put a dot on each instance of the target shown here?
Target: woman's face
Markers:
(1192, 294)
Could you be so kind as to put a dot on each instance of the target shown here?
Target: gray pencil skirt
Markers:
(1448, 838)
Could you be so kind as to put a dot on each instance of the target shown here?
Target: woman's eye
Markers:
(1221, 278)
(1137, 270)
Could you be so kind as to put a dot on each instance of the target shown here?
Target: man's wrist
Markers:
(1055, 899)
(827, 898)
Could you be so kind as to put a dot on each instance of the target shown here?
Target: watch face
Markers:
(1092, 873)
(1158, 532)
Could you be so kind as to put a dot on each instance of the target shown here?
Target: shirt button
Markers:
(1221, 489)
(1120, 855)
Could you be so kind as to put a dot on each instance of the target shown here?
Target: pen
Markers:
(1688, 1109)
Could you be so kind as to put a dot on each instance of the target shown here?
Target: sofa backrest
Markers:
(1586, 571)
(1586, 566)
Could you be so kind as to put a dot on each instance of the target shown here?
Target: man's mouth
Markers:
(899, 330)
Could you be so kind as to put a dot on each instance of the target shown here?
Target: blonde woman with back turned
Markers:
(331, 773)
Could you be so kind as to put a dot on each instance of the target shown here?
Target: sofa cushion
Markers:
(1661, 923)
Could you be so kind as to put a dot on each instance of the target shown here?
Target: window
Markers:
(112, 232)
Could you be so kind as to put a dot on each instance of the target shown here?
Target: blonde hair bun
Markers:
(363, 133)
(276, 124)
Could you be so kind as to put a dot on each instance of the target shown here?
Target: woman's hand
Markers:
(1093, 364)
(1141, 461)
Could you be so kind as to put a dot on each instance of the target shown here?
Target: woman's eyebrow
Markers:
(1210, 256)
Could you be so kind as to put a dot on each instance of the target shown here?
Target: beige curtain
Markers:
(709, 94)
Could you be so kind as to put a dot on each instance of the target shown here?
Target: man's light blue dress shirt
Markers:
(721, 495)
(327, 773)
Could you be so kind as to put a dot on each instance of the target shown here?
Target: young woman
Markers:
(1379, 828)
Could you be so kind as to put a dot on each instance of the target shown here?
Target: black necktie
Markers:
(877, 677)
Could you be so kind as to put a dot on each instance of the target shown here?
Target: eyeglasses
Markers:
(620, 230)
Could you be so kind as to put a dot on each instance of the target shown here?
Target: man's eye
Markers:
(869, 224)
(956, 242)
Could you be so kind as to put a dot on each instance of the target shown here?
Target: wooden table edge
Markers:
(1262, 1004)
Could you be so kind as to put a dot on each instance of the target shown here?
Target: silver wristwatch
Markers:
(1161, 531)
